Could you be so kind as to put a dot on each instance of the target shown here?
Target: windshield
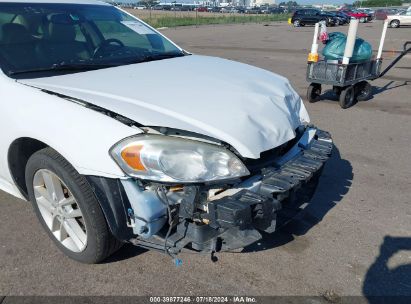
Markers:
(50, 39)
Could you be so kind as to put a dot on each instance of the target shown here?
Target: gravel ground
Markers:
(353, 240)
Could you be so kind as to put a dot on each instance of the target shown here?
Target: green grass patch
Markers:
(172, 21)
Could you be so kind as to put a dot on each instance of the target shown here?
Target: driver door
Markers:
(406, 18)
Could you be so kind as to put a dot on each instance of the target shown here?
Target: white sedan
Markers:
(403, 18)
(107, 131)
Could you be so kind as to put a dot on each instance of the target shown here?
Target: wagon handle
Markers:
(405, 51)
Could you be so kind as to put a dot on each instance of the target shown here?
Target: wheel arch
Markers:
(20, 150)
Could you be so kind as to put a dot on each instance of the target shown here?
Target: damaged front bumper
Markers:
(190, 217)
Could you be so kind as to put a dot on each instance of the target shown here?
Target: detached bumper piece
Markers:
(295, 173)
(294, 183)
(235, 221)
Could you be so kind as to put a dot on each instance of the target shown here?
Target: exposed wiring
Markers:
(170, 219)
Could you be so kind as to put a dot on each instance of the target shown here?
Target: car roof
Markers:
(95, 2)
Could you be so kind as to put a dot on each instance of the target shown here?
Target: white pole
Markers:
(349, 46)
(314, 46)
(384, 31)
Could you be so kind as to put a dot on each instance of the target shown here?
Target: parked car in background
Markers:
(346, 19)
(303, 17)
(214, 9)
(253, 10)
(159, 7)
(181, 7)
(201, 9)
(381, 14)
(363, 17)
(369, 12)
(105, 157)
(276, 10)
(240, 9)
(337, 20)
(228, 9)
(403, 18)
(271, 10)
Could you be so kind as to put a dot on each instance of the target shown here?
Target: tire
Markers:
(363, 20)
(347, 97)
(313, 92)
(297, 23)
(95, 243)
(363, 90)
(395, 23)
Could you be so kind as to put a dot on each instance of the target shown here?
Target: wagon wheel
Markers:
(363, 90)
(347, 97)
(314, 92)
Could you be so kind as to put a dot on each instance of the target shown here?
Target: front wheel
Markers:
(313, 92)
(67, 208)
(395, 23)
(297, 23)
(347, 97)
(363, 20)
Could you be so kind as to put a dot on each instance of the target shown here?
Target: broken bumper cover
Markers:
(235, 217)
(262, 203)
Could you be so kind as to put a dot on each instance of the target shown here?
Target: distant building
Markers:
(326, 7)
(261, 2)
(248, 3)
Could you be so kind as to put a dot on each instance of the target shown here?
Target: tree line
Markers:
(378, 3)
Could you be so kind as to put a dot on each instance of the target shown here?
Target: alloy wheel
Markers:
(60, 210)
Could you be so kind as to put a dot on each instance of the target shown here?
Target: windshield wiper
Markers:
(65, 67)
(157, 56)
(95, 66)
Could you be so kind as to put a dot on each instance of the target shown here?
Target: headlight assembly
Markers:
(171, 159)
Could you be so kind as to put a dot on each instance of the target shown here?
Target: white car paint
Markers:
(404, 18)
(250, 108)
(81, 135)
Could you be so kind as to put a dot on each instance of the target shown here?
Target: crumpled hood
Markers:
(251, 109)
